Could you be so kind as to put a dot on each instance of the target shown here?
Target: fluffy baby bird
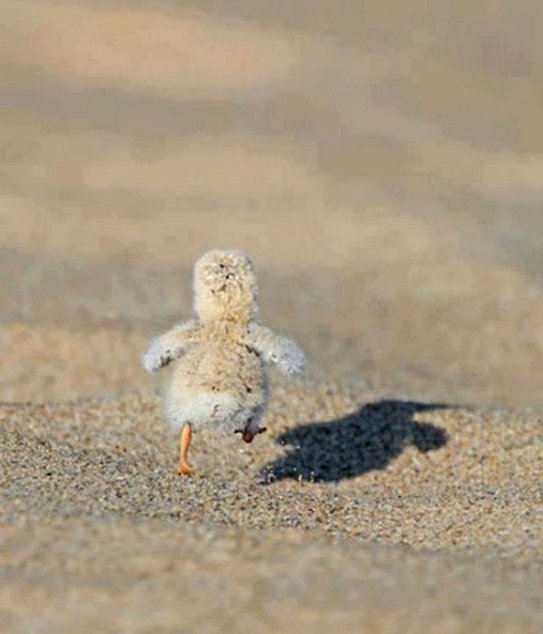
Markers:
(220, 380)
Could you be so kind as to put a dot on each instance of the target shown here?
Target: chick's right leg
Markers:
(183, 467)
(248, 434)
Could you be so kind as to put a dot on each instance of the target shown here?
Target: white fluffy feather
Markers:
(220, 378)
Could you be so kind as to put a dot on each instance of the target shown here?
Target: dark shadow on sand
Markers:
(353, 445)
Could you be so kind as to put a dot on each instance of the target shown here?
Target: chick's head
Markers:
(225, 287)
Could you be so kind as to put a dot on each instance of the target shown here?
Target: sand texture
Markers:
(383, 166)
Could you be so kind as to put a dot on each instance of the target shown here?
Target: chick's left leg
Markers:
(183, 467)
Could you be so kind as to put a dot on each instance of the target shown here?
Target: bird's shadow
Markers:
(367, 439)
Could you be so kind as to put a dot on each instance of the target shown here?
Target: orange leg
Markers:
(183, 467)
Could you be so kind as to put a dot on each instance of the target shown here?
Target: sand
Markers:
(389, 512)
(383, 169)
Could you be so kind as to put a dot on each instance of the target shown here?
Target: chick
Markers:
(220, 379)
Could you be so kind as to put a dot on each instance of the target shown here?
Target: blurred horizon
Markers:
(381, 164)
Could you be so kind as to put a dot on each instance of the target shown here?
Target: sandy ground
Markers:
(384, 169)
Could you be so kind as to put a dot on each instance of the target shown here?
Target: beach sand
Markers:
(383, 170)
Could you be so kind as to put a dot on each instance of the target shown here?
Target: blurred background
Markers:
(382, 163)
